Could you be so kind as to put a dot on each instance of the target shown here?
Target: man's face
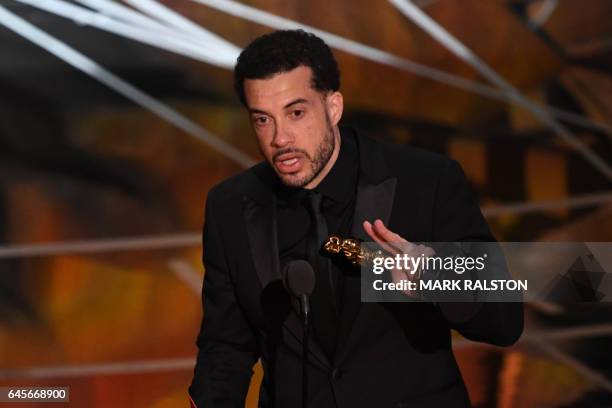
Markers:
(295, 125)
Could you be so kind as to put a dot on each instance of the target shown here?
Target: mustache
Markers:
(289, 150)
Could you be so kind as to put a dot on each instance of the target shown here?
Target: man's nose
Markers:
(281, 137)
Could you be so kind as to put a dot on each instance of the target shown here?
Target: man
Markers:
(318, 178)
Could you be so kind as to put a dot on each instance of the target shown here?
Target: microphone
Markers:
(299, 280)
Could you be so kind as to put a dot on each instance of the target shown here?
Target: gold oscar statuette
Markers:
(351, 249)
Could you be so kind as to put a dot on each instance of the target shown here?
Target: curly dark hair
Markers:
(282, 51)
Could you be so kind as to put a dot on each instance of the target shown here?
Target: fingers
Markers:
(385, 233)
(387, 239)
(395, 244)
(369, 229)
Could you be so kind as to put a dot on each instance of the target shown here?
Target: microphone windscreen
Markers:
(299, 278)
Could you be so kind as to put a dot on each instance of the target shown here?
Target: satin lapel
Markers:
(374, 201)
(260, 221)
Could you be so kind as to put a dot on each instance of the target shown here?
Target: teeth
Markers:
(289, 162)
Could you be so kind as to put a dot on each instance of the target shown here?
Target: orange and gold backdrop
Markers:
(80, 164)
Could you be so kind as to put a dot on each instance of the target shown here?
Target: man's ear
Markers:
(335, 107)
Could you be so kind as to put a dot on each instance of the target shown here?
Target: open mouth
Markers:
(289, 162)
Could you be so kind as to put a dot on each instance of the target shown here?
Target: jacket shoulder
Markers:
(235, 187)
(404, 158)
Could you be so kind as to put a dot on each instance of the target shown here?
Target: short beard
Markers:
(321, 158)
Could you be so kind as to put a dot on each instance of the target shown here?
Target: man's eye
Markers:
(261, 120)
(297, 113)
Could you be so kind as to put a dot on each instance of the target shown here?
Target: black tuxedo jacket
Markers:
(392, 355)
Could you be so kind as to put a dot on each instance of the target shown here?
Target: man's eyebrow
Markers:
(294, 102)
(255, 110)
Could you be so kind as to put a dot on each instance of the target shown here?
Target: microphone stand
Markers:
(305, 306)
(299, 280)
